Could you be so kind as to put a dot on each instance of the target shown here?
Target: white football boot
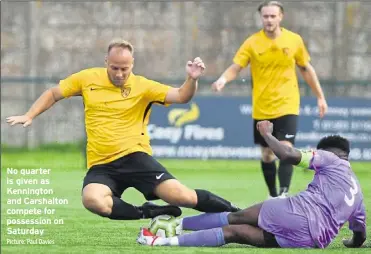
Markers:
(145, 237)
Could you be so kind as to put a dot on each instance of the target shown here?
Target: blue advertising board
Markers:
(222, 127)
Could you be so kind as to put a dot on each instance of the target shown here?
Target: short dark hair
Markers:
(334, 141)
(271, 3)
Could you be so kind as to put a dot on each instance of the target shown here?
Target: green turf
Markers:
(83, 232)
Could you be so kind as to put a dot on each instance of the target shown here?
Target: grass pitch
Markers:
(79, 231)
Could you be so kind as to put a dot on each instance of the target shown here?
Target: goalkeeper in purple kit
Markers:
(310, 219)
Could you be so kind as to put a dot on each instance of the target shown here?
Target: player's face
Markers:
(271, 17)
(119, 65)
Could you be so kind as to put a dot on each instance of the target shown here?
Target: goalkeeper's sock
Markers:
(124, 211)
(210, 203)
(205, 221)
(205, 238)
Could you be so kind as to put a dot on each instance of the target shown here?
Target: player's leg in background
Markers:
(286, 129)
(268, 164)
(214, 220)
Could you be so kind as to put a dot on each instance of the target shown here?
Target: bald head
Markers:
(119, 62)
(119, 55)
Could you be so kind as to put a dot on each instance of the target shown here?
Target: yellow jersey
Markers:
(116, 118)
(275, 89)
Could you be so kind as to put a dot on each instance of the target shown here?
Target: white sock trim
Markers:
(174, 241)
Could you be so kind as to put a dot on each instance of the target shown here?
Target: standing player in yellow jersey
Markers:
(273, 54)
(117, 108)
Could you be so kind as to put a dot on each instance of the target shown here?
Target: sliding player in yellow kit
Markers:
(117, 108)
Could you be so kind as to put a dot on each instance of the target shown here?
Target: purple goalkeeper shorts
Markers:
(286, 222)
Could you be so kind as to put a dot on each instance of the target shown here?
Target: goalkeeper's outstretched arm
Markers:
(284, 152)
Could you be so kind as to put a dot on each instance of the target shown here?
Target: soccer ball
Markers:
(164, 226)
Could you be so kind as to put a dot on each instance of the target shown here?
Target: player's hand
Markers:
(264, 127)
(348, 243)
(196, 68)
(322, 107)
(356, 241)
(218, 85)
(25, 120)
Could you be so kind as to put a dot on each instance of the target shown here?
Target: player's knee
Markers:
(235, 218)
(267, 155)
(96, 197)
(248, 216)
(230, 235)
(241, 217)
(97, 205)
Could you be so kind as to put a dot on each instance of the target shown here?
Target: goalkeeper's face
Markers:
(119, 65)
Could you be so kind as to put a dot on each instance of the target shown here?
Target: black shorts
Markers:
(270, 240)
(284, 128)
(138, 170)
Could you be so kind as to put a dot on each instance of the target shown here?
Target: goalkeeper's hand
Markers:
(356, 241)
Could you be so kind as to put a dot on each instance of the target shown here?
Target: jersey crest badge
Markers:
(125, 92)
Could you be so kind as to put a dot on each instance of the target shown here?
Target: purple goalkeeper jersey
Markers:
(331, 199)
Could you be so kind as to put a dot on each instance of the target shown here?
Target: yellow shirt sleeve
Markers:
(302, 56)
(242, 57)
(72, 85)
(156, 92)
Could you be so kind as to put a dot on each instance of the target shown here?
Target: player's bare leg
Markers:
(248, 216)
(250, 235)
(175, 193)
(99, 199)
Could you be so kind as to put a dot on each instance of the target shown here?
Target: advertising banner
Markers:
(222, 127)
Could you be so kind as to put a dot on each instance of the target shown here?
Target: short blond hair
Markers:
(120, 43)
(271, 3)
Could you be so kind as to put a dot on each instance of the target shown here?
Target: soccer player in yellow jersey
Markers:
(117, 108)
(273, 53)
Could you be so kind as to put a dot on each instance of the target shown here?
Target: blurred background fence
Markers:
(43, 42)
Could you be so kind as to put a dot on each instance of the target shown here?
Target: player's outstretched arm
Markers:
(310, 76)
(229, 74)
(186, 92)
(44, 102)
(283, 152)
(357, 223)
